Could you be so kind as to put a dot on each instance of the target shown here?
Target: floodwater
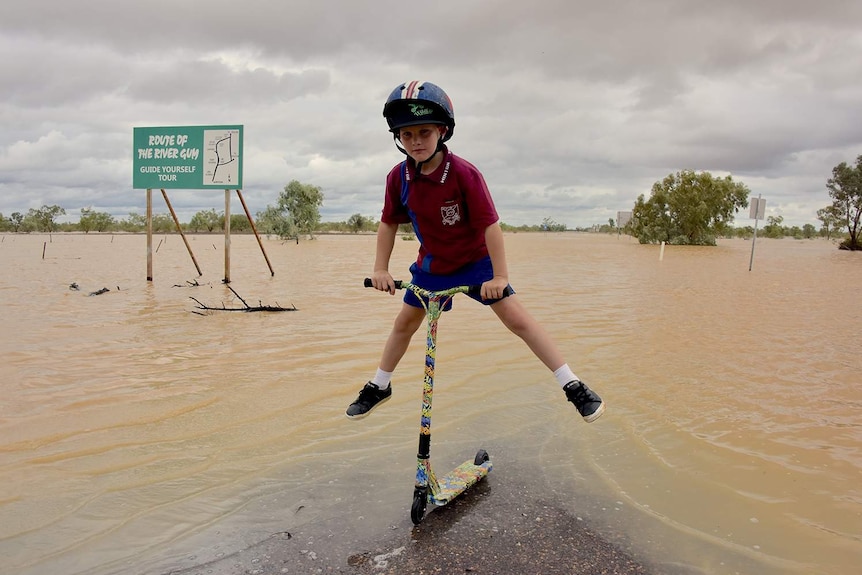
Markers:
(140, 434)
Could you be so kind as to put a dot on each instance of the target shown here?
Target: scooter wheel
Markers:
(420, 502)
(481, 457)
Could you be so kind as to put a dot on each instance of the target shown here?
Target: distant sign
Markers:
(623, 218)
(188, 157)
(757, 209)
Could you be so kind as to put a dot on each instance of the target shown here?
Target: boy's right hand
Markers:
(382, 280)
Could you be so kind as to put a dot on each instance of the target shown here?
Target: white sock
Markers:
(565, 374)
(382, 378)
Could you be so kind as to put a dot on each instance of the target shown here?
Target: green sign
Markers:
(188, 157)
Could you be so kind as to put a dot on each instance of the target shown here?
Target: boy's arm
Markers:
(381, 278)
(493, 288)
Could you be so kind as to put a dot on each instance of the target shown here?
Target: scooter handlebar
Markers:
(473, 289)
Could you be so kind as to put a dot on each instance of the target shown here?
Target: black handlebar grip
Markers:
(369, 283)
(477, 289)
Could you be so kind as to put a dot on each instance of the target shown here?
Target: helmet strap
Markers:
(398, 144)
(437, 150)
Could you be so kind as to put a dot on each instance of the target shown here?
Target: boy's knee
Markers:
(409, 321)
(517, 322)
(517, 325)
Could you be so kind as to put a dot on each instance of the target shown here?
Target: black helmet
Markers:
(414, 103)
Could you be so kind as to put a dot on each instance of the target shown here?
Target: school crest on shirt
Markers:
(450, 214)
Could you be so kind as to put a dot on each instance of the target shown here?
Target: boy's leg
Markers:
(372, 394)
(515, 316)
(405, 325)
(518, 320)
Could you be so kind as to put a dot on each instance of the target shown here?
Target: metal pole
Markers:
(254, 229)
(180, 230)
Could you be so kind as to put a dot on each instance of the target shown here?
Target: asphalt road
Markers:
(508, 524)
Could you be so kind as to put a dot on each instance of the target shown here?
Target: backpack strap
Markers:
(405, 192)
(404, 188)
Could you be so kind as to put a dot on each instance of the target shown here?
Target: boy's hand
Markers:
(382, 280)
(493, 288)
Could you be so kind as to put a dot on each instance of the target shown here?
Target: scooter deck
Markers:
(458, 481)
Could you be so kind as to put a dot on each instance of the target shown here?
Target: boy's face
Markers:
(421, 141)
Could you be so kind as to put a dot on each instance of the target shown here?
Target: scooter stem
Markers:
(424, 474)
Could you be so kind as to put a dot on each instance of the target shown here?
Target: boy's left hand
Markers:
(494, 287)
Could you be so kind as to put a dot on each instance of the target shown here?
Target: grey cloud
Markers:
(46, 74)
(213, 82)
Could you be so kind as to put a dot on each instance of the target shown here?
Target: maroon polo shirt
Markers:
(450, 210)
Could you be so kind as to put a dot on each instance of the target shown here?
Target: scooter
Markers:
(429, 488)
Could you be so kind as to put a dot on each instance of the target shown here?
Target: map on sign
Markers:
(221, 157)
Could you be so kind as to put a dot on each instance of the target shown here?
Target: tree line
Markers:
(685, 208)
(690, 208)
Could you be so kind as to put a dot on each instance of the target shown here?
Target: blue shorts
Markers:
(476, 273)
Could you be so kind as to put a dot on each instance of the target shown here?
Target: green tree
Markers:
(134, 223)
(104, 221)
(845, 188)
(302, 202)
(85, 224)
(16, 218)
(92, 220)
(208, 220)
(549, 225)
(608, 228)
(357, 222)
(43, 219)
(163, 223)
(274, 221)
(773, 227)
(688, 208)
(238, 223)
(745, 232)
(828, 216)
(808, 231)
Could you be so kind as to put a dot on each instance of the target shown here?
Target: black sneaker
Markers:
(587, 402)
(369, 397)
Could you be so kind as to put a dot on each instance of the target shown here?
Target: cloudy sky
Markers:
(570, 108)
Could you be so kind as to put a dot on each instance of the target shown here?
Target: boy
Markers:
(460, 242)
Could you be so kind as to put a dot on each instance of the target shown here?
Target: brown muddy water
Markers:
(137, 436)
